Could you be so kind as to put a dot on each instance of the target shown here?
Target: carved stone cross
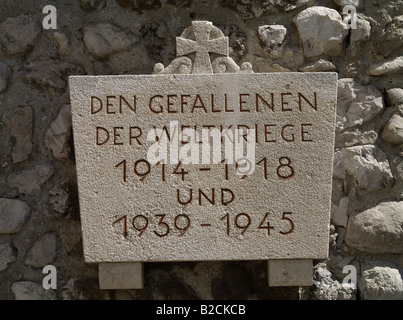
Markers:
(202, 45)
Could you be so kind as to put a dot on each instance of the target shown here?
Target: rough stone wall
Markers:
(39, 212)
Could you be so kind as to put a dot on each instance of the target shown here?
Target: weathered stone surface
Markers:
(58, 200)
(343, 3)
(50, 74)
(179, 3)
(21, 130)
(58, 134)
(393, 131)
(338, 262)
(321, 30)
(394, 96)
(70, 236)
(277, 68)
(368, 165)
(191, 40)
(339, 212)
(43, 251)
(156, 39)
(29, 181)
(90, 5)
(320, 65)
(208, 280)
(237, 41)
(13, 214)
(356, 104)
(283, 273)
(272, 39)
(204, 34)
(19, 34)
(83, 289)
(392, 40)
(359, 35)
(391, 66)
(383, 282)
(252, 9)
(355, 138)
(332, 237)
(29, 290)
(352, 70)
(7, 255)
(102, 190)
(104, 39)
(377, 230)
(362, 32)
(5, 76)
(138, 5)
(294, 5)
(121, 275)
(49, 207)
(63, 47)
(326, 288)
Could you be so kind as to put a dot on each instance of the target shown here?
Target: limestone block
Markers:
(394, 96)
(339, 212)
(58, 134)
(103, 39)
(357, 104)
(19, 34)
(377, 230)
(5, 76)
(8, 255)
(272, 39)
(29, 290)
(283, 273)
(21, 130)
(321, 30)
(391, 66)
(392, 39)
(320, 65)
(121, 275)
(43, 251)
(30, 181)
(367, 164)
(110, 194)
(327, 288)
(58, 200)
(50, 74)
(13, 215)
(393, 131)
(380, 281)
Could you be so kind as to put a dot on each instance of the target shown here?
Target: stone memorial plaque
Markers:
(204, 165)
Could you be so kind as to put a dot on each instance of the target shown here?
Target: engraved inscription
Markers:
(236, 225)
(207, 162)
(204, 159)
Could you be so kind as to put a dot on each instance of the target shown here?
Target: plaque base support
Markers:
(288, 273)
(121, 275)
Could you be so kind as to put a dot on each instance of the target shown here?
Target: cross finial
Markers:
(202, 45)
(202, 38)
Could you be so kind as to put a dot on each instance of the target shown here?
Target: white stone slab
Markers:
(289, 273)
(297, 207)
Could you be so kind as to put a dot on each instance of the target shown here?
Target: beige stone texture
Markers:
(283, 273)
(298, 207)
(121, 275)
